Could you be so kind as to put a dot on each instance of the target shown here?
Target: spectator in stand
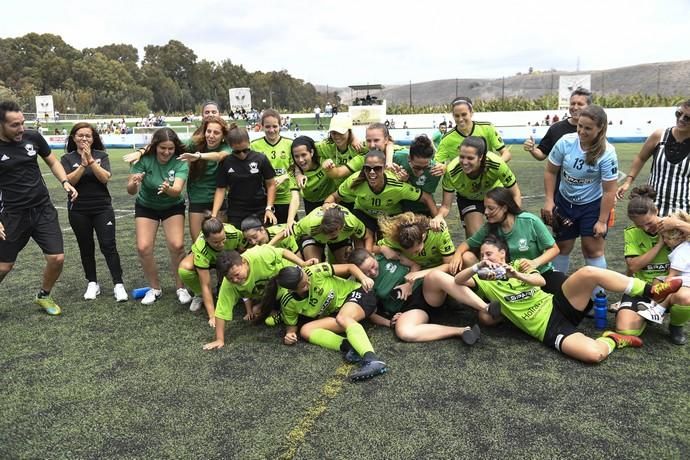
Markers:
(317, 115)
(438, 134)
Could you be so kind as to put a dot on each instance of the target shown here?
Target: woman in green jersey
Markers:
(195, 268)
(470, 176)
(256, 233)
(527, 237)
(278, 151)
(341, 145)
(336, 304)
(158, 180)
(464, 127)
(376, 192)
(647, 258)
(408, 307)
(552, 318)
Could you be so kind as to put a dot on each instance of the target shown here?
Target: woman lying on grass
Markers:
(552, 319)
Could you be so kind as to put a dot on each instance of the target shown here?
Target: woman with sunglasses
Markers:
(376, 192)
(249, 180)
(464, 126)
(469, 177)
(670, 173)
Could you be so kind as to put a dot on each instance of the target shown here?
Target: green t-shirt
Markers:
(496, 174)
(426, 181)
(528, 239)
(280, 156)
(449, 147)
(205, 256)
(327, 293)
(384, 203)
(310, 226)
(391, 274)
(437, 245)
(265, 262)
(638, 242)
(289, 243)
(436, 138)
(154, 175)
(526, 306)
(203, 188)
(328, 150)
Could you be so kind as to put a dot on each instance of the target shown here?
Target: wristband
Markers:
(271, 208)
(63, 182)
(199, 156)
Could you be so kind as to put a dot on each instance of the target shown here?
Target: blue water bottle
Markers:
(600, 309)
(139, 293)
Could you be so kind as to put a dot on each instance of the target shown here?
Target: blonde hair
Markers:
(676, 235)
(406, 229)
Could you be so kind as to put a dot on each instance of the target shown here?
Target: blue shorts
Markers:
(583, 217)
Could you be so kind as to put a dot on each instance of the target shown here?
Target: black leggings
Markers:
(103, 222)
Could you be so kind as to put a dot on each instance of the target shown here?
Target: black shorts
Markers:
(366, 300)
(369, 222)
(630, 303)
(466, 206)
(158, 214)
(309, 241)
(203, 207)
(563, 321)
(40, 223)
(554, 281)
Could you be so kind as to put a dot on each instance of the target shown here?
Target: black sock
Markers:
(648, 290)
(369, 356)
(345, 346)
(43, 293)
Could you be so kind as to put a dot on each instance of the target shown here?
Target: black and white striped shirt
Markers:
(670, 175)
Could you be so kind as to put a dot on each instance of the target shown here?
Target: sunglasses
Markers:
(239, 152)
(682, 116)
(376, 169)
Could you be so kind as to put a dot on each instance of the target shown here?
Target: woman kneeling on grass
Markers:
(245, 277)
(552, 319)
(408, 307)
(195, 268)
(338, 303)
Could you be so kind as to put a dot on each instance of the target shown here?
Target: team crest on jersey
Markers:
(171, 175)
(391, 267)
(421, 180)
(522, 245)
(253, 167)
(30, 150)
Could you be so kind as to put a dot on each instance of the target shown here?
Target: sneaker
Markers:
(494, 309)
(614, 307)
(120, 293)
(471, 335)
(623, 341)
(662, 290)
(677, 335)
(48, 304)
(351, 356)
(196, 304)
(183, 296)
(151, 296)
(368, 369)
(273, 320)
(651, 312)
(92, 291)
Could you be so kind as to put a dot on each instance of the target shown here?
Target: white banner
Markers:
(569, 83)
(240, 98)
(44, 108)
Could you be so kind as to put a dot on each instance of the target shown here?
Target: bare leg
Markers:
(342, 254)
(350, 313)
(195, 221)
(628, 320)
(328, 323)
(5, 268)
(51, 273)
(584, 348)
(413, 326)
(473, 221)
(578, 287)
(566, 247)
(174, 235)
(438, 285)
(146, 230)
(313, 251)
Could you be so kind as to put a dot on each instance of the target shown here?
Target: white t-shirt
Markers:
(680, 260)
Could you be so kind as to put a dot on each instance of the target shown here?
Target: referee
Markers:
(25, 207)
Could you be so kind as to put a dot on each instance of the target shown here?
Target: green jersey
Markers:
(496, 174)
(289, 243)
(449, 148)
(264, 263)
(526, 306)
(426, 181)
(437, 245)
(436, 138)
(391, 274)
(384, 203)
(327, 293)
(205, 256)
(154, 175)
(310, 226)
(528, 239)
(327, 150)
(202, 188)
(280, 156)
(638, 242)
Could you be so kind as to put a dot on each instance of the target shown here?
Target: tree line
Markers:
(111, 79)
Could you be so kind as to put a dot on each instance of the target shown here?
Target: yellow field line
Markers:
(328, 392)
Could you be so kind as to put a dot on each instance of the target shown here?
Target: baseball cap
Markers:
(341, 123)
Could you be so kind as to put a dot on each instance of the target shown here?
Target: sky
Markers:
(341, 43)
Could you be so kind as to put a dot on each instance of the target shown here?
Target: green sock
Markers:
(636, 288)
(635, 332)
(609, 342)
(190, 278)
(358, 338)
(326, 339)
(680, 314)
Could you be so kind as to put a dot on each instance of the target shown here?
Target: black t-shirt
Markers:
(245, 180)
(93, 195)
(554, 133)
(21, 183)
